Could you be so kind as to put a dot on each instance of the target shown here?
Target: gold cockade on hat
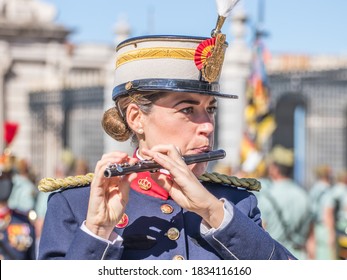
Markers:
(213, 63)
(209, 55)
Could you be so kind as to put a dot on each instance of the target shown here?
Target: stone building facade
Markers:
(36, 56)
(57, 92)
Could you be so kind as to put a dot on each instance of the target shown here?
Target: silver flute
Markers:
(150, 165)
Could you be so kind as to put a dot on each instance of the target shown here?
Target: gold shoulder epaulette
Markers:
(51, 184)
(250, 184)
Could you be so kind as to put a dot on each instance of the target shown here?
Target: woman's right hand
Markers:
(108, 196)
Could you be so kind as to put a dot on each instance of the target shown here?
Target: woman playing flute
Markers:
(165, 101)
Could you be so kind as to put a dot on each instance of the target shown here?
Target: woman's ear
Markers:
(134, 117)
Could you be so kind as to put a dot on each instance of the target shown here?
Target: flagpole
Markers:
(261, 11)
(259, 29)
(260, 121)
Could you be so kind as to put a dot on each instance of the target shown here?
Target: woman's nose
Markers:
(206, 127)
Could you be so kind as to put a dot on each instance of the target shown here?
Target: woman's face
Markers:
(185, 120)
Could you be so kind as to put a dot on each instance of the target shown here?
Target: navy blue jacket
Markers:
(145, 235)
(17, 239)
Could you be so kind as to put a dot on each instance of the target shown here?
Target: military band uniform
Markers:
(169, 112)
(17, 236)
(146, 230)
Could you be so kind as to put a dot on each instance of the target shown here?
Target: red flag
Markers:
(10, 131)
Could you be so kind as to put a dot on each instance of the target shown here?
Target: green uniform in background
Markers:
(319, 197)
(337, 201)
(284, 204)
(23, 195)
(286, 215)
(337, 196)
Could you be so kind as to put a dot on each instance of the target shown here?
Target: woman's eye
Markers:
(188, 110)
(212, 110)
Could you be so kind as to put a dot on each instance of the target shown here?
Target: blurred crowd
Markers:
(310, 221)
(22, 206)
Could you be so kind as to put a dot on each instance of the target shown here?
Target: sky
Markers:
(294, 26)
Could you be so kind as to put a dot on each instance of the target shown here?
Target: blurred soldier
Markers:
(336, 208)
(24, 191)
(322, 235)
(262, 175)
(285, 206)
(17, 235)
(342, 240)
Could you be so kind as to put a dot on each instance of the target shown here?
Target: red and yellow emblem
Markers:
(203, 51)
(209, 57)
(123, 221)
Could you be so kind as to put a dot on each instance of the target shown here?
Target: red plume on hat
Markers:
(10, 131)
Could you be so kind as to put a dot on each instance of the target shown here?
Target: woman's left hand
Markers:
(186, 190)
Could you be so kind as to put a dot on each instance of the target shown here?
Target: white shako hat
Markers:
(170, 63)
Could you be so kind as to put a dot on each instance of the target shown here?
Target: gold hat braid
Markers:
(50, 184)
